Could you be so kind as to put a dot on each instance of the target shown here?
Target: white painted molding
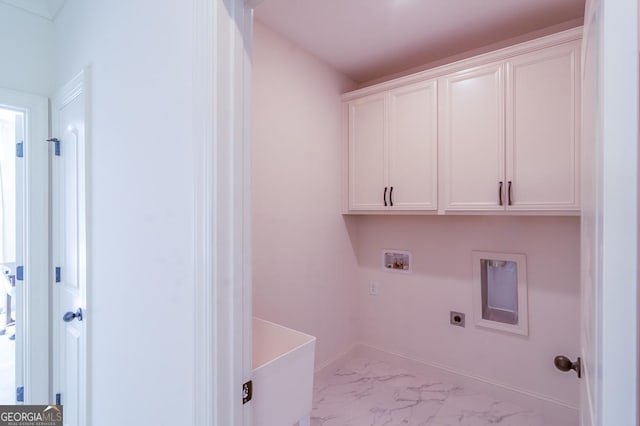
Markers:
(618, 210)
(497, 55)
(222, 73)
(79, 85)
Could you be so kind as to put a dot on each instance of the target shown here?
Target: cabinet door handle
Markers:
(391, 196)
(384, 196)
(509, 193)
(500, 193)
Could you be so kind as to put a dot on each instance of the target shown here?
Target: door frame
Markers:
(619, 390)
(222, 87)
(34, 255)
(610, 216)
(77, 86)
(223, 37)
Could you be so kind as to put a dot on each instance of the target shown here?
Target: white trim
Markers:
(619, 115)
(35, 256)
(79, 85)
(394, 212)
(590, 225)
(479, 60)
(247, 262)
(222, 40)
(203, 130)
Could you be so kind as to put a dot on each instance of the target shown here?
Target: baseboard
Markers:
(331, 363)
(553, 411)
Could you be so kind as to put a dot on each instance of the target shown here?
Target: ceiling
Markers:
(369, 39)
(47, 9)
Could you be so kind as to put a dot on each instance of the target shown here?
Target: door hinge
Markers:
(58, 399)
(20, 394)
(247, 392)
(58, 274)
(56, 145)
(20, 273)
(20, 149)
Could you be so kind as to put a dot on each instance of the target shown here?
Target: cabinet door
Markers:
(367, 153)
(472, 139)
(412, 147)
(542, 129)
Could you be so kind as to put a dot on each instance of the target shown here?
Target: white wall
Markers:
(410, 316)
(304, 267)
(26, 50)
(141, 221)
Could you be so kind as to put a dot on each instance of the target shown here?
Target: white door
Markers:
(609, 235)
(472, 140)
(69, 273)
(367, 180)
(542, 123)
(413, 140)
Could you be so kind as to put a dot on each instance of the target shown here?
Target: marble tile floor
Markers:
(366, 392)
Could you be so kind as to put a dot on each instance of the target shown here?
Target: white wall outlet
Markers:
(374, 287)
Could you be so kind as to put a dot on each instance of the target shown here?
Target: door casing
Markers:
(74, 91)
(609, 235)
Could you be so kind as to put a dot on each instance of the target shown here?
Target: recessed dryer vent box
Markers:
(500, 291)
(396, 261)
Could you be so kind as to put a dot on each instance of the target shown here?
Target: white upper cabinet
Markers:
(367, 175)
(472, 139)
(509, 134)
(413, 144)
(497, 133)
(393, 149)
(542, 128)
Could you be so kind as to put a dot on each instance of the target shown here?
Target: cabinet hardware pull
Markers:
(384, 196)
(391, 196)
(500, 192)
(509, 193)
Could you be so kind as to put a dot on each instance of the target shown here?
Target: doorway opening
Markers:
(11, 307)
(24, 249)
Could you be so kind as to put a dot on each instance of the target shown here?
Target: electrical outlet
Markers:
(456, 318)
(373, 288)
